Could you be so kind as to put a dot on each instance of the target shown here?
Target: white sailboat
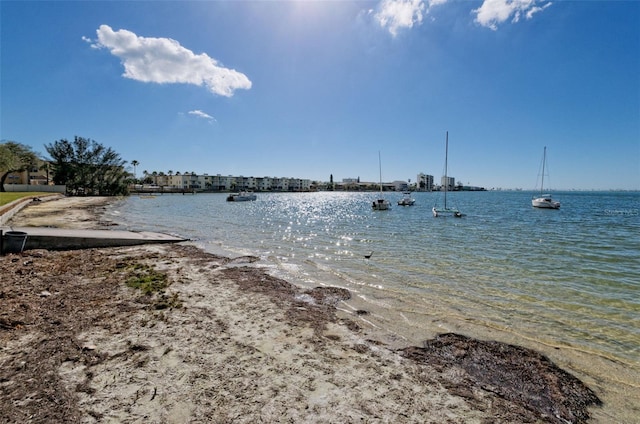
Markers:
(380, 204)
(446, 211)
(544, 201)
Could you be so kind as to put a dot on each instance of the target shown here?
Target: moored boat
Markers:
(446, 211)
(406, 200)
(381, 204)
(242, 196)
(544, 201)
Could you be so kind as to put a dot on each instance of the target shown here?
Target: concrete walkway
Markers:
(69, 239)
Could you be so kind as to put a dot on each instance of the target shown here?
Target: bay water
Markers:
(564, 282)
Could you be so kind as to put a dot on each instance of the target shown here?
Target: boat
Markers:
(242, 196)
(544, 201)
(380, 204)
(406, 200)
(445, 210)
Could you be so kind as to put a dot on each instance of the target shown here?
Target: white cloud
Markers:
(398, 14)
(494, 12)
(163, 60)
(536, 9)
(201, 114)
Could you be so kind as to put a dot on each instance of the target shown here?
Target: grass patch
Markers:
(152, 283)
(147, 279)
(10, 196)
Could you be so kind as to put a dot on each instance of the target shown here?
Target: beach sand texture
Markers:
(226, 342)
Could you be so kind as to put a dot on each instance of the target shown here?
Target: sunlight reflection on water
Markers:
(569, 276)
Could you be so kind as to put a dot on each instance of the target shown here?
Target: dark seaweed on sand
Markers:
(523, 377)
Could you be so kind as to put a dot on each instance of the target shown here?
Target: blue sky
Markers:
(307, 89)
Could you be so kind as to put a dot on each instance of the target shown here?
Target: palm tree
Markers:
(45, 167)
(170, 180)
(135, 163)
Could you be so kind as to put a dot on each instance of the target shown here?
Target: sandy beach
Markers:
(173, 334)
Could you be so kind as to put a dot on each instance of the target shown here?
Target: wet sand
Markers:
(215, 339)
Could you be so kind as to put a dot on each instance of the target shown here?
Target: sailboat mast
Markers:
(380, 168)
(446, 179)
(544, 160)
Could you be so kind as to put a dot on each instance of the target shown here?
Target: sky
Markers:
(313, 89)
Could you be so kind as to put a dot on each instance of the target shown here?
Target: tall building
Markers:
(449, 182)
(424, 182)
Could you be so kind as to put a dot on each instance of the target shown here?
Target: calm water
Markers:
(567, 278)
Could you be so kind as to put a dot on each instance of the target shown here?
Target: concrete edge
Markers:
(19, 239)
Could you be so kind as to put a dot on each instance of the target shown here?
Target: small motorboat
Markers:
(406, 200)
(243, 196)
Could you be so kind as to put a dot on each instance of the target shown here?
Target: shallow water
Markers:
(565, 279)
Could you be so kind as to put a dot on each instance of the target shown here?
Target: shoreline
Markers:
(227, 342)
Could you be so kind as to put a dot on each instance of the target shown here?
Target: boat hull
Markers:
(545, 203)
(406, 200)
(381, 205)
(241, 197)
(446, 212)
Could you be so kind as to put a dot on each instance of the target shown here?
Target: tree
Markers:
(15, 157)
(88, 168)
(46, 166)
(135, 164)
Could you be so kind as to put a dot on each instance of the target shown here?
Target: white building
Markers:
(449, 182)
(400, 185)
(192, 181)
(424, 182)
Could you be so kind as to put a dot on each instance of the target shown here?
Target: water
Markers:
(566, 282)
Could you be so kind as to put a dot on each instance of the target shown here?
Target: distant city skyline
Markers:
(314, 88)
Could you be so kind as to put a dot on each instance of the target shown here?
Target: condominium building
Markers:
(448, 182)
(192, 181)
(424, 182)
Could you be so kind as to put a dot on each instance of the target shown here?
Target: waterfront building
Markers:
(448, 182)
(424, 182)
